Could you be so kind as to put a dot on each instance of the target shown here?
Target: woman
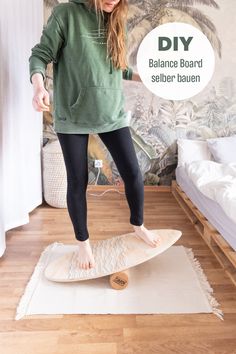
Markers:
(86, 40)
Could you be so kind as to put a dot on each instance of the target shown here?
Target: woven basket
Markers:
(54, 175)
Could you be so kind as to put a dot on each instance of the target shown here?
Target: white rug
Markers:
(170, 283)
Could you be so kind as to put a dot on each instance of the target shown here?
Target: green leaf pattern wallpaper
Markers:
(156, 124)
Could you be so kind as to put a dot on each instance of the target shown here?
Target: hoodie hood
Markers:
(91, 8)
(78, 1)
(85, 2)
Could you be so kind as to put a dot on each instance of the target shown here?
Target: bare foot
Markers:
(147, 236)
(85, 259)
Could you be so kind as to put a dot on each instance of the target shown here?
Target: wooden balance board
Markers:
(112, 256)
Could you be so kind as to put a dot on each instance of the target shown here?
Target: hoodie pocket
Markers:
(97, 105)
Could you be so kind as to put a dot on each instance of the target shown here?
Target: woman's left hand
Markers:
(136, 77)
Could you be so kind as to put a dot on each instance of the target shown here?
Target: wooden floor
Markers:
(108, 216)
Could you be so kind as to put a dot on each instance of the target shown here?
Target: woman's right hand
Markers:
(40, 100)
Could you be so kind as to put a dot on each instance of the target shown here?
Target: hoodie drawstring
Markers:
(110, 67)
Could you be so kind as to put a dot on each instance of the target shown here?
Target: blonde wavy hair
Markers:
(116, 31)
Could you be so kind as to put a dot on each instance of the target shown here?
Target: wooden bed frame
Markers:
(219, 246)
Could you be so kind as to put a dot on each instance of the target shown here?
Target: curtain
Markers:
(21, 136)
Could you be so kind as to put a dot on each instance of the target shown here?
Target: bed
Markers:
(205, 187)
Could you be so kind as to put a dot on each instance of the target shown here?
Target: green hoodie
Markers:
(87, 89)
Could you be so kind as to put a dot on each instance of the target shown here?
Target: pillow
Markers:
(192, 150)
(223, 149)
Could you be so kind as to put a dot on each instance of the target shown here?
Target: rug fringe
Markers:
(31, 285)
(204, 283)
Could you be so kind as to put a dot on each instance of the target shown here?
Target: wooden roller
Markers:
(119, 280)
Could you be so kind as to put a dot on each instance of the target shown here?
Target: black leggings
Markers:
(120, 145)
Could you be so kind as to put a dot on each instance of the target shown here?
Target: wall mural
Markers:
(157, 123)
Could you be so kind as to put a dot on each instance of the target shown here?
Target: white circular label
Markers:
(175, 61)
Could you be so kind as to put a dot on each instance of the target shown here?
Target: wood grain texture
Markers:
(111, 334)
(222, 250)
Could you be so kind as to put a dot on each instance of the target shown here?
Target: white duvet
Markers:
(217, 181)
